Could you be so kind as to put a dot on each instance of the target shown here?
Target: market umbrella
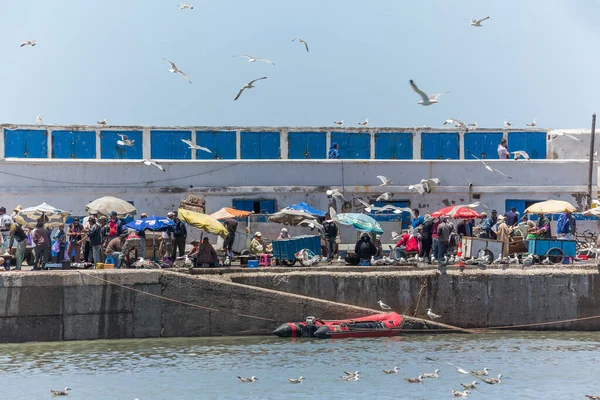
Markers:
(306, 208)
(202, 221)
(104, 205)
(152, 223)
(228, 212)
(290, 217)
(550, 207)
(51, 216)
(458, 212)
(360, 222)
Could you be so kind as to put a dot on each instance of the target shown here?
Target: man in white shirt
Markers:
(5, 222)
(503, 153)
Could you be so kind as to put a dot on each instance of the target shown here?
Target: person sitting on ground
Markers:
(379, 247)
(365, 249)
(193, 253)
(257, 245)
(114, 249)
(284, 234)
(407, 244)
(207, 255)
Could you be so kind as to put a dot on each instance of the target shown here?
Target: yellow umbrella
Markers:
(550, 207)
(202, 221)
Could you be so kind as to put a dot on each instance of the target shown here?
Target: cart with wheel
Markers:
(284, 250)
(473, 247)
(557, 251)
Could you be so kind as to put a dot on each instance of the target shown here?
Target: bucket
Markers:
(99, 265)
(252, 263)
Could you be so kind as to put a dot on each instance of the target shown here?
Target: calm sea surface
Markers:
(534, 366)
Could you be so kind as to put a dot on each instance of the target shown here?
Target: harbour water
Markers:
(534, 365)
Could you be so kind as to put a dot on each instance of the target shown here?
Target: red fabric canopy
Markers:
(460, 212)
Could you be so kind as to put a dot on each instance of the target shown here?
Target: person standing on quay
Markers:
(330, 232)
(75, 234)
(95, 237)
(334, 152)
(17, 233)
(426, 238)
(180, 236)
(231, 226)
(41, 238)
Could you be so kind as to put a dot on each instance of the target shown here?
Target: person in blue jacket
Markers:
(563, 228)
(334, 152)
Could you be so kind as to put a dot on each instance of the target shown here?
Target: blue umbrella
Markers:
(152, 223)
(307, 209)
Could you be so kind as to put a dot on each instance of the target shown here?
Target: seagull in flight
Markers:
(150, 162)
(520, 153)
(125, 141)
(252, 379)
(103, 122)
(385, 196)
(427, 100)
(64, 392)
(302, 41)
(431, 315)
(384, 181)
(173, 68)
(474, 125)
(383, 305)
(253, 59)
(248, 85)
(339, 123)
(312, 224)
(425, 185)
(29, 43)
(186, 6)
(336, 194)
(397, 210)
(507, 124)
(567, 135)
(532, 124)
(364, 123)
(368, 207)
(488, 167)
(457, 123)
(477, 22)
(195, 146)
(39, 119)
(475, 205)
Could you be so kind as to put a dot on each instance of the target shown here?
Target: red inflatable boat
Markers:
(378, 325)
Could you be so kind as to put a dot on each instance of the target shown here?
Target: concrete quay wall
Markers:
(471, 299)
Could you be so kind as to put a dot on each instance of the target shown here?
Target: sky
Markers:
(100, 59)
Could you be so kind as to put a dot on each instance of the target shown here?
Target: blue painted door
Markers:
(221, 143)
(534, 143)
(439, 146)
(353, 145)
(23, 143)
(73, 144)
(482, 145)
(307, 145)
(167, 145)
(111, 150)
(394, 146)
(258, 206)
(260, 145)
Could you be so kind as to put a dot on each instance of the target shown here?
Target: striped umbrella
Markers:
(360, 222)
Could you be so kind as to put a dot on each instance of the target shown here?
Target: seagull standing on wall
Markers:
(431, 315)
(474, 125)
(383, 305)
(173, 68)
(365, 123)
(507, 124)
(427, 100)
(339, 123)
(477, 22)
(457, 123)
(532, 124)
(103, 122)
(39, 119)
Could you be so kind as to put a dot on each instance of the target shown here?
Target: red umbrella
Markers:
(457, 212)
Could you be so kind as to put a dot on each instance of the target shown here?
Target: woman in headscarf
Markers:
(284, 234)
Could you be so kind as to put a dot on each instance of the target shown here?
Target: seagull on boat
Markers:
(384, 181)
(29, 43)
(434, 375)
(456, 393)
(365, 122)
(299, 380)
(481, 373)
(103, 122)
(125, 141)
(493, 381)
(470, 385)
(195, 146)
(302, 41)
(248, 85)
(186, 7)
(418, 379)
(457, 123)
(507, 124)
(252, 379)
(383, 305)
(64, 392)
(425, 185)
(156, 164)
(474, 125)
(339, 123)
(39, 119)
(520, 153)
(173, 68)
(390, 371)
(431, 315)
(532, 124)
(477, 22)
(427, 100)
(458, 369)
(254, 59)
(385, 196)
(565, 134)
(488, 167)
(336, 194)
